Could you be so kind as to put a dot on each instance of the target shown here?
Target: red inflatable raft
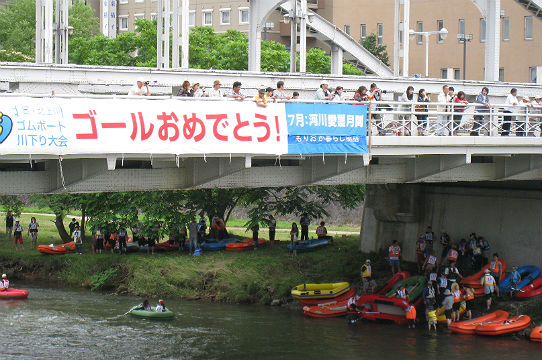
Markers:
(469, 327)
(474, 281)
(166, 246)
(536, 334)
(505, 326)
(245, 244)
(13, 294)
(530, 291)
(378, 307)
(58, 249)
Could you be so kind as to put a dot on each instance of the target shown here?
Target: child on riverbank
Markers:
(432, 320)
(411, 316)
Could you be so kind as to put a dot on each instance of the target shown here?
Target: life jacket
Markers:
(432, 315)
(489, 280)
(402, 294)
(469, 295)
(366, 271)
(452, 255)
(457, 296)
(321, 231)
(494, 266)
(443, 282)
(420, 246)
(395, 251)
(432, 259)
(452, 273)
(5, 283)
(433, 276)
(220, 225)
(411, 313)
(430, 293)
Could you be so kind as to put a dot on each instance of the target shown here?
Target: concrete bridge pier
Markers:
(509, 215)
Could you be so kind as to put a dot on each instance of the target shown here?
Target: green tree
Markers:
(11, 203)
(83, 19)
(380, 51)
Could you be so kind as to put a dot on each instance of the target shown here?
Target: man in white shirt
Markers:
(513, 103)
(78, 240)
(141, 88)
(322, 93)
(236, 91)
(442, 119)
(279, 93)
(534, 122)
(216, 91)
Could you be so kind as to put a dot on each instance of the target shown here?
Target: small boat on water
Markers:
(309, 245)
(536, 334)
(336, 300)
(469, 327)
(320, 291)
(58, 249)
(168, 314)
(504, 326)
(530, 291)
(13, 294)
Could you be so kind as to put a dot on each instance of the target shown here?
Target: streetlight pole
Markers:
(464, 38)
(443, 34)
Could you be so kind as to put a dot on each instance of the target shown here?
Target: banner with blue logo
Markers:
(326, 128)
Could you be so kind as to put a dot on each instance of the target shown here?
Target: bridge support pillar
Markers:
(508, 217)
(44, 31)
(493, 41)
(336, 60)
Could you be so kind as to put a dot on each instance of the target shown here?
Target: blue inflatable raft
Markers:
(216, 246)
(528, 274)
(309, 245)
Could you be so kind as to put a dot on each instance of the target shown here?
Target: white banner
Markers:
(137, 126)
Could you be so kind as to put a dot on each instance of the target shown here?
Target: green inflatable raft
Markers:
(414, 286)
(168, 314)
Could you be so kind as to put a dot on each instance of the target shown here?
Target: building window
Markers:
(123, 23)
(380, 33)
(123, 1)
(505, 29)
(225, 16)
(501, 74)
(243, 15)
(457, 74)
(440, 26)
(347, 29)
(207, 17)
(419, 28)
(482, 30)
(461, 26)
(532, 74)
(528, 27)
(192, 18)
(363, 31)
(443, 73)
(139, 16)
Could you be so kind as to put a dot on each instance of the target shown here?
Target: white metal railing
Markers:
(395, 118)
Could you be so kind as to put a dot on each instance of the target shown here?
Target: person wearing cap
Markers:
(141, 88)
(367, 277)
(4, 283)
(260, 99)
(216, 91)
(482, 107)
(490, 286)
(534, 122)
(236, 91)
(279, 93)
(448, 303)
(323, 93)
(161, 306)
(18, 235)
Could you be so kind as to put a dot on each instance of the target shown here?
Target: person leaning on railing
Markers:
(483, 108)
(459, 110)
(513, 103)
(534, 122)
(442, 118)
(420, 109)
(406, 97)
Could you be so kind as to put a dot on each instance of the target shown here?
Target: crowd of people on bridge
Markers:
(414, 103)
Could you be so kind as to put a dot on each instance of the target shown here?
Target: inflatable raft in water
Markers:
(504, 326)
(536, 334)
(13, 294)
(469, 327)
(528, 275)
(168, 314)
(58, 249)
(309, 245)
(320, 291)
(530, 291)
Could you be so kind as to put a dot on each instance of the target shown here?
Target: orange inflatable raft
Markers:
(58, 249)
(505, 326)
(469, 327)
(474, 281)
(536, 334)
(245, 244)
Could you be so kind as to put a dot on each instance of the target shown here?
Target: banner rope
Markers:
(61, 172)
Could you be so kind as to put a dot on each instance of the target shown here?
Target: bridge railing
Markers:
(395, 118)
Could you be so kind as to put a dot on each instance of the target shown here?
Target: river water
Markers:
(58, 323)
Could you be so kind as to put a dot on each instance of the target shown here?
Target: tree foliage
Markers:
(380, 51)
(11, 203)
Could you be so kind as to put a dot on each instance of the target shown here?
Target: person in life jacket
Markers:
(18, 235)
(4, 283)
(429, 297)
(220, 228)
(395, 254)
(432, 320)
(452, 254)
(321, 231)
(468, 297)
(495, 268)
(456, 293)
(351, 305)
(442, 285)
(367, 277)
(402, 293)
(452, 273)
(411, 316)
(515, 279)
(420, 252)
(490, 287)
(430, 264)
(161, 306)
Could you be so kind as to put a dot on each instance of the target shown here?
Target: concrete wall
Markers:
(510, 218)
